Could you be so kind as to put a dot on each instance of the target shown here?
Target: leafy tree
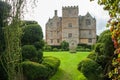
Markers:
(64, 46)
(32, 34)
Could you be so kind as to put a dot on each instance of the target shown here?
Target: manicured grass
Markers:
(68, 67)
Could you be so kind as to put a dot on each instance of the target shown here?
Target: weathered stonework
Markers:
(71, 27)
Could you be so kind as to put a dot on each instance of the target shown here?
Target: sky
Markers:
(44, 10)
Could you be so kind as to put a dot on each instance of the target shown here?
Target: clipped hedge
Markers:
(52, 63)
(29, 52)
(91, 69)
(35, 71)
(43, 71)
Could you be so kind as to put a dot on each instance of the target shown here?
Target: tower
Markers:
(70, 26)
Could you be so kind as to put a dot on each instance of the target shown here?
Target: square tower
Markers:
(70, 25)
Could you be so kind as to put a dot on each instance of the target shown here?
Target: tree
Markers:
(32, 33)
(4, 14)
(113, 7)
(64, 46)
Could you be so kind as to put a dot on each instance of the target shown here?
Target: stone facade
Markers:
(71, 27)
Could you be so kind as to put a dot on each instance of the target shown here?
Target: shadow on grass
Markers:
(61, 75)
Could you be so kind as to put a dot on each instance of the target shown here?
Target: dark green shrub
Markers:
(90, 69)
(47, 48)
(55, 49)
(44, 71)
(39, 44)
(64, 46)
(99, 48)
(84, 47)
(32, 33)
(56, 46)
(3, 73)
(39, 55)
(92, 55)
(29, 52)
(52, 63)
(105, 37)
(35, 71)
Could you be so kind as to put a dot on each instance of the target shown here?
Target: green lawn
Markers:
(68, 67)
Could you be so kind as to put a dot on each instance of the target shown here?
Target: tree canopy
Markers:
(32, 33)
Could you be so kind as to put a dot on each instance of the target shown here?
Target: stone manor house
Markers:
(71, 27)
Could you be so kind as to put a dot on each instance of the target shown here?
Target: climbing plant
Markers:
(12, 34)
(113, 7)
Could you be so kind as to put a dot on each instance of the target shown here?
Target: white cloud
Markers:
(45, 9)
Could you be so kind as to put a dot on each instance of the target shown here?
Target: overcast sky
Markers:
(45, 10)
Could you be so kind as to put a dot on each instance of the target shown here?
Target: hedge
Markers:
(52, 63)
(43, 71)
(35, 71)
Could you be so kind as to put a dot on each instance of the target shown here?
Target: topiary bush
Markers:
(52, 63)
(43, 71)
(91, 69)
(92, 55)
(55, 49)
(29, 52)
(39, 55)
(35, 71)
(102, 55)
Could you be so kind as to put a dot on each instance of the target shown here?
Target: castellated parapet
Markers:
(70, 11)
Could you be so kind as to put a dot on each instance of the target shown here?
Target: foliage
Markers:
(92, 56)
(113, 7)
(91, 69)
(39, 55)
(35, 71)
(55, 49)
(105, 38)
(64, 46)
(84, 47)
(47, 48)
(29, 52)
(52, 63)
(102, 53)
(44, 71)
(4, 14)
(3, 74)
(32, 34)
(39, 44)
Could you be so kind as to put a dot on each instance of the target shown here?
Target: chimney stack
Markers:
(55, 12)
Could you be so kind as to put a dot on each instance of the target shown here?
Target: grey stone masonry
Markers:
(71, 27)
